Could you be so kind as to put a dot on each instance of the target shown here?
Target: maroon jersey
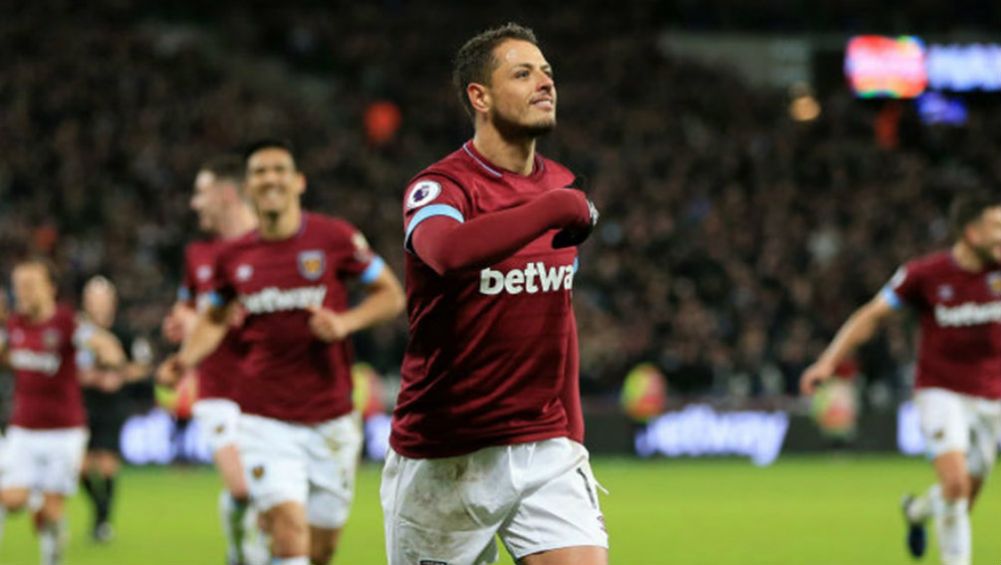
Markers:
(288, 373)
(492, 356)
(47, 393)
(960, 347)
(219, 373)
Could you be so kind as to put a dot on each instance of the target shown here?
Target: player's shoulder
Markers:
(453, 169)
(937, 262)
(326, 228)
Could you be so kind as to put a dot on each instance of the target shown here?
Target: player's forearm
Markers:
(858, 329)
(107, 349)
(382, 304)
(447, 246)
(205, 337)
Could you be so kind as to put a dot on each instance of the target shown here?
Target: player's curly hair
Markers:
(475, 61)
(968, 206)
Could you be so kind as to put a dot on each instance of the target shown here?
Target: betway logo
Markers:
(968, 314)
(28, 360)
(535, 277)
(272, 299)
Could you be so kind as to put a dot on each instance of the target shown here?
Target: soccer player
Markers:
(106, 402)
(47, 436)
(299, 437)
(957, 295)
(223, 212)
(487, 432)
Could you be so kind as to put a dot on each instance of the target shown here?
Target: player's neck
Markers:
(282, 226)
(967, 258)
(237, 222)
(42, 313)
(515, 156)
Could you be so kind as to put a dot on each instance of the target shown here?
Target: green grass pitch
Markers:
(822, 510)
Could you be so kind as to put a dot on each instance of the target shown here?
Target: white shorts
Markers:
(536, 496)
(313, 465)
(951, 421)
(218, 421)
(47, 461)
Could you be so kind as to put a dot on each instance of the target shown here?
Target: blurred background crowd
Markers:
(734, 239)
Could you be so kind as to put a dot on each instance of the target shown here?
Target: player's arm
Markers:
(447, 243)
(179, 322)
(858, 329)
(207, 333)
(107, 349)
(384, 301)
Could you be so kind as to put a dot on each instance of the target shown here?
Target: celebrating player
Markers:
(224, 212)
(46, 440)
(106, 403)
(487, 432)
(299, 437)
(957, 294)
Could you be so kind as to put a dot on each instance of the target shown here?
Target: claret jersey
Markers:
(288, 373)
(492, 357)
(960, 313)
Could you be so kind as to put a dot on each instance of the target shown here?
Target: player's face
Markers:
(206, 201)
(986, 235)
(522, 91)
(33, 290)
(273, 182)
(99, 303)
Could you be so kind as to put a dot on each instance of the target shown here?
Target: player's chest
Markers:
(967, 300)
(37, 349)
(508, 193)
(960, 289)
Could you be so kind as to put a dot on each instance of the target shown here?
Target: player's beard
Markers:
(986, 254)
(514, 131)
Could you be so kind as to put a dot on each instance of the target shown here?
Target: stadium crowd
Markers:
(733, 239)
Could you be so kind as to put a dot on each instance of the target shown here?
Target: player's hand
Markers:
(327, 325)
(574, 235)
(108, 381)
(173, 327)
(814, 375)
(169, 372)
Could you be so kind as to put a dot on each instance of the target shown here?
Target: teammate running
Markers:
(299, 436)
(47, 435)
(957, 295)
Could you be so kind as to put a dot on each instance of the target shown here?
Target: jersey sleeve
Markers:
(353, 256)
(222, 290)
(430, 196)
(186, 292)
(904, 288)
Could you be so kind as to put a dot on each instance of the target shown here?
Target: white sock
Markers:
(290, 560)
(232, 514)
(51, 538)
(923, 506)
(952, 524)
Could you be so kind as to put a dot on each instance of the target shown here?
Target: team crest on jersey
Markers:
(945, 292)
(257, 472)
(244, 272)
(17, 336)
(994, 282)
(50, 338)
(312, 264)
(203, 273)
(422, 193)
